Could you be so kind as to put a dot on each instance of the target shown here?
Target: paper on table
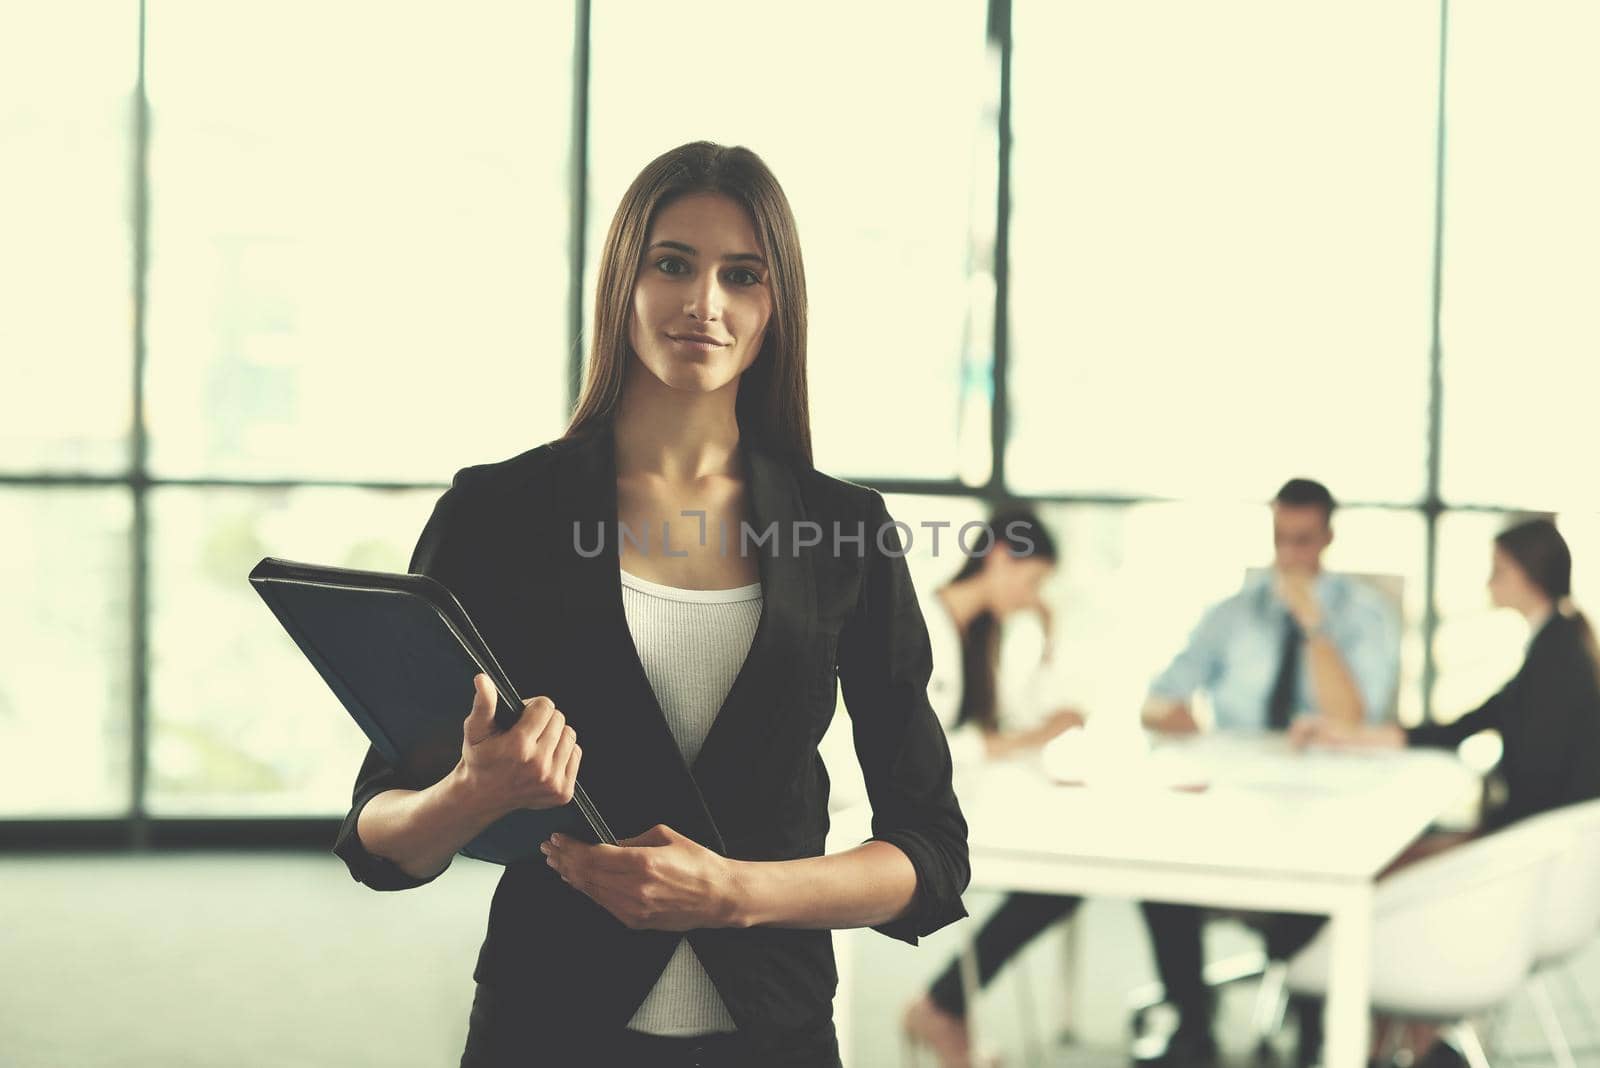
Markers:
(1120, 759)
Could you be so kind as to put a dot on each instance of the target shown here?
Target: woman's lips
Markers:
(697, 343)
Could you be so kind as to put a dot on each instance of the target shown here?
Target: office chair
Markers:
(1568, 918)
(1454, 935)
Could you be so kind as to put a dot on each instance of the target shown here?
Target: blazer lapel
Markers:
(591, 612)
(729, 761)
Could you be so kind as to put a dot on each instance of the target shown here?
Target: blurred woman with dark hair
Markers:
(1548, 715)
(990, 587)
(964, 690)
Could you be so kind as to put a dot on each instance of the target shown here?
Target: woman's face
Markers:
(701, 299)
(1017, 581)
(1509, 585)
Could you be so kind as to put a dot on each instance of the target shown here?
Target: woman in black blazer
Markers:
(1548, 715)
(693, 421)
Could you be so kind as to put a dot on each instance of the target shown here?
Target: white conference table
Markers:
(1221, 820)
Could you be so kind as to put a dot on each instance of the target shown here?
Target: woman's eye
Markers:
(743, 276)
(671, 265)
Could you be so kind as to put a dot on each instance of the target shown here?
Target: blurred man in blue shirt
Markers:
(1295, 640)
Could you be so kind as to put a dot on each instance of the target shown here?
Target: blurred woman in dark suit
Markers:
(1548, 715)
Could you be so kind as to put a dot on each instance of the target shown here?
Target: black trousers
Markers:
(1013, 925)
(501, 1033)
(1175, 934)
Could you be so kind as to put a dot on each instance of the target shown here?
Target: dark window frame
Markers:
(139, 829)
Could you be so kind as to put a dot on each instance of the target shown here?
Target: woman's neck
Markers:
(964, 600)
(673, 434)
(1537, 614)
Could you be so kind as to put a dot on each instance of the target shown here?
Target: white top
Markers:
(691, 644)
(1025, 694)
(945, 687)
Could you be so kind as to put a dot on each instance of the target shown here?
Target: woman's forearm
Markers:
(861, 887)
(420, 830)
(998, 745)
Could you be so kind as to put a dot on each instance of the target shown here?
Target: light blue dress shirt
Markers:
(1233, 652)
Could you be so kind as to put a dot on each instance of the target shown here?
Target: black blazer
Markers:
(502, 537)
(1548, 717)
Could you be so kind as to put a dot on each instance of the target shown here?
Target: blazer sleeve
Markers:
(442, 552)
(1489, 715)
(885, 660)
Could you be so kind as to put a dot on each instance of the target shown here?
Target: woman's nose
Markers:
(705, 300)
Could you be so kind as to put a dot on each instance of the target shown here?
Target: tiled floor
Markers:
(268, 959)
(1021, 1009)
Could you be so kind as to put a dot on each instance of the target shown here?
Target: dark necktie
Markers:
(1285, 687)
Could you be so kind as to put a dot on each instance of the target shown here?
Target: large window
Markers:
(1521, 348)
(1521, 341)
(267, 289)
(355, 219)
(238, 724)
(1221, 244)
(64, 628)
(343, 230)
(66, 243)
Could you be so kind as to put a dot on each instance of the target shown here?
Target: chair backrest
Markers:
(1569, 908)
(1392, 588)
(1453, 935)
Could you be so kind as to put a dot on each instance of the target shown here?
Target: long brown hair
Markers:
(1542, 553)
(773, 407)
(1018, 530)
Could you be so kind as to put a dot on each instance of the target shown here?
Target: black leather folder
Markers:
(400, 652)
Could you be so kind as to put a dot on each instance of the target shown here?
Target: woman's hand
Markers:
(658, 880)
(1320, 730)
(532, 765)
(999, 745)
(1057, 722)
